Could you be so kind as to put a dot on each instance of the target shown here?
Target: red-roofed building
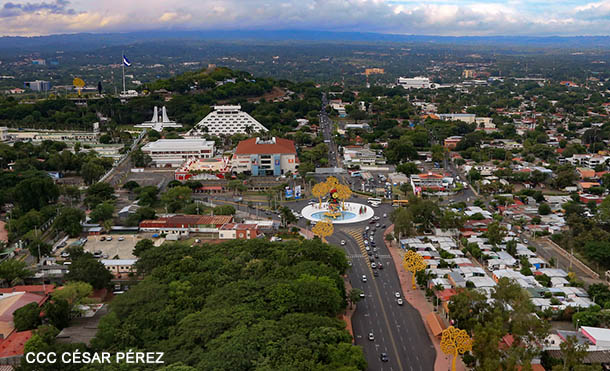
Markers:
(11, 348)
(183, 224)
(34, 289)
(257, 156)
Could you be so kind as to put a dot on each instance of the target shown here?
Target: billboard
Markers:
(297, 192)
(289, 192)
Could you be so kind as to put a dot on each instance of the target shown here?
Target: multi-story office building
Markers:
(275, 156)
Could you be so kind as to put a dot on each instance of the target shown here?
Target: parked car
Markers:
(109, 238)
(121, 238)
(102, 238)
(65, 254)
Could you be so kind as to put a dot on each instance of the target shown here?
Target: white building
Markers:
(418, 82)
(227, 120)
(159, 123)
(174, 152)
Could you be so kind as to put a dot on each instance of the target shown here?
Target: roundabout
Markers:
(349, 212)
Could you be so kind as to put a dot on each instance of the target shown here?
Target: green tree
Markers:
(102, 212)
(14, 271)
(140, 159)
(544, 209)
(573, 355)
(407, 168)
(131, 185)
(35, 192)
(495, 233)
(224, 210)
(354, 296)
(58, 313)
(90, 270)
(69, 221)
(98, 193)
(27, 317)
(176, 198)
(142, 246)
(92, 171)
(74, 293)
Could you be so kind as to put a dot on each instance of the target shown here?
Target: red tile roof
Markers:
(249, 146)
(35, 289)
(14, 344)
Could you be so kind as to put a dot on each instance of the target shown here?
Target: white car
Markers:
(372, 238)
(371, 336)
(367, 228)
(367, 248)
(399, 301)
(121, 238)
(362, 295)
(385, 215)
(373, 265)
(342, 242)
(397, 294)
(363, 278)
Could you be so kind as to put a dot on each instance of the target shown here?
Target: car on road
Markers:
(399, 301)
(369, 253)
(384, 357)
(367, 228)
(372, 239)
(385, 215)
(371, 259)
(397, 294)
(349, 262)
(362, 295)
(363, 278)
(63, 244)
(342, 242)
(371, 336)
(376, 273)
(367, 248)
(374, 249)
(525, 240)
(373, 265)
(379, 265)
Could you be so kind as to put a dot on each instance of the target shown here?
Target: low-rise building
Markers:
(184, 224)
(120, 268)
(174, 152)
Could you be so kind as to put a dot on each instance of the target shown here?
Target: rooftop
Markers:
(273, 146)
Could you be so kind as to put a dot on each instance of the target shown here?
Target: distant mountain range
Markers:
(90, 41)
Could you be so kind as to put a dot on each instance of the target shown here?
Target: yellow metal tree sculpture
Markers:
(323, 229)
(319, 190)
(344, 193)
(413, 262)
(455, 341)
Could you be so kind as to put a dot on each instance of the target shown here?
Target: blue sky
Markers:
(431, 17)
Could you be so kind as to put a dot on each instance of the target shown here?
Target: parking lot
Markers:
(113, 248)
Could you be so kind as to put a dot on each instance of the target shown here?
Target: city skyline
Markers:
(435, 17)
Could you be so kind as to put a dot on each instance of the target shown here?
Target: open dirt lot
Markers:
(122, 249)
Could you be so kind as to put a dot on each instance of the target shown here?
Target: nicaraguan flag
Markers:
(126, 61)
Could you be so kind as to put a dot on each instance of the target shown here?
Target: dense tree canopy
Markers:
(237, 306)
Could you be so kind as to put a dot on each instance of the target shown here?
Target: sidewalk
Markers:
(349, 312)
(418, 300)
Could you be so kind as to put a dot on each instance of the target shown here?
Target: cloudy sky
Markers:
(431, 17)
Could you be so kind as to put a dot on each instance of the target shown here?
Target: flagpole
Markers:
(123, 64)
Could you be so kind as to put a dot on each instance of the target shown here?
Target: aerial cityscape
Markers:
(302, 185)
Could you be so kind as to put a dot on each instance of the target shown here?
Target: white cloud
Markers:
(436, 17)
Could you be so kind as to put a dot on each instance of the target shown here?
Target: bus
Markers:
(372, 200)
(397, 203)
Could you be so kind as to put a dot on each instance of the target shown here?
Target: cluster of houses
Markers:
(450, 270)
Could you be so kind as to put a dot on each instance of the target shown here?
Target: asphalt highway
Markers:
(397, 329)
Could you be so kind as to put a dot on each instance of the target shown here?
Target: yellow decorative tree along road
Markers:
(413, 262)
(455, 341)
(323, 229)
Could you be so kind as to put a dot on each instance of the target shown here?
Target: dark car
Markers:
(375, 273)
(369, 253)
(372, 259)
(383, 357)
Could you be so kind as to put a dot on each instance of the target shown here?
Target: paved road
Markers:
(398, 330)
